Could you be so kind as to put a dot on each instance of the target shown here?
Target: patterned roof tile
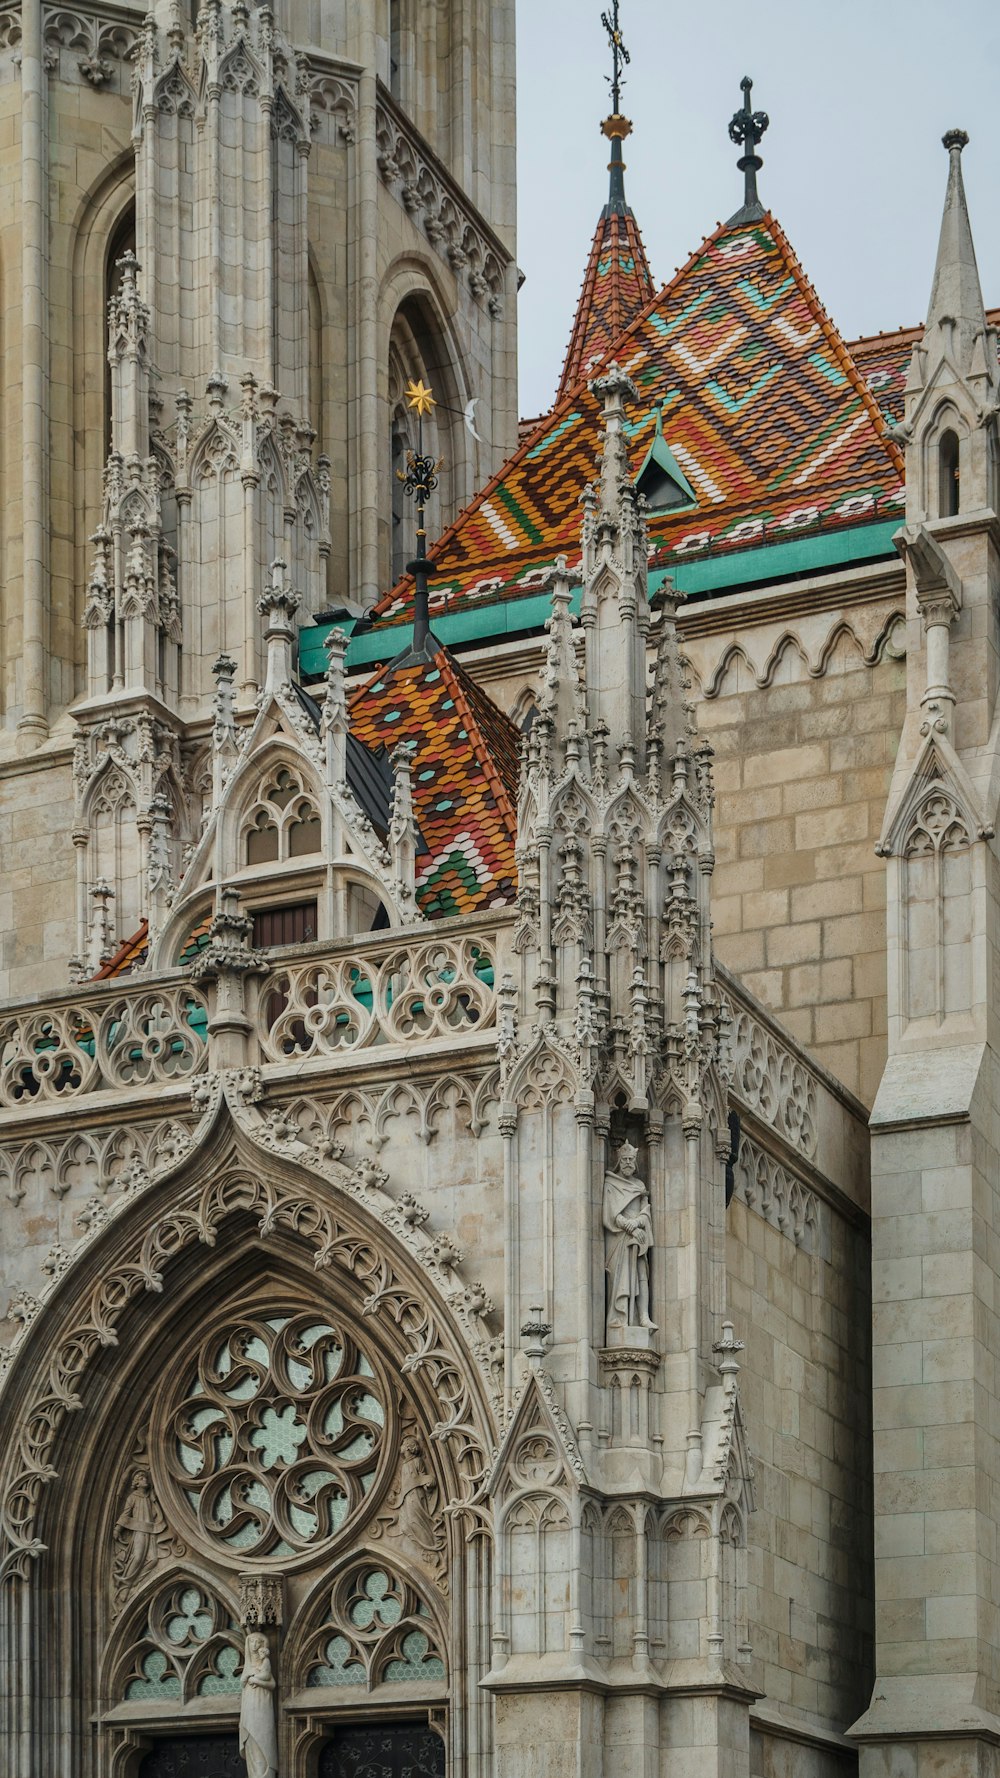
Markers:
(617, 285)
(763, 408)
(465, 775)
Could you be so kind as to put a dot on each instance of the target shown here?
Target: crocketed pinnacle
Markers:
(956, 321)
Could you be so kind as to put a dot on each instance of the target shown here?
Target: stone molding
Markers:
(437, 205)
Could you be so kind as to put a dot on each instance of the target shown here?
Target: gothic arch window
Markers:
(122, 241)
(419, 351)
(949, 470)
(284, 822)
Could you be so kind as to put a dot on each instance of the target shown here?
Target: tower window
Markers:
(948, 464)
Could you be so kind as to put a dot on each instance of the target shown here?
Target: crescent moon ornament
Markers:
(470, 418)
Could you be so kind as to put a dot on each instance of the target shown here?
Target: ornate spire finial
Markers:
(746, 128)
(419, 479)
(616, 127)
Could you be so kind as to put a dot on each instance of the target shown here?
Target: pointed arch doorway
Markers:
(385, 1750)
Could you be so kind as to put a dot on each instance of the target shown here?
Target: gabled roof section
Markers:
(617, 285)
(884, 361)
(131, 954)
(465, 772)
(763, 409)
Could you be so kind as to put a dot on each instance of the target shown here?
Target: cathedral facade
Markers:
(498, 1085)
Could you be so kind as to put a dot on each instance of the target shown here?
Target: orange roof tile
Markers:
(465, 775)
(617, 285)
(763, 408)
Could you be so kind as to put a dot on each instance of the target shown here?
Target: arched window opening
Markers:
(418, 352)
(285, 822)
(122, 241)
(949, 498)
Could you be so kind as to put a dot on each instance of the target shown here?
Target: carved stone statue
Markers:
(258, 1727)
(138, 1529)
(629, 1228)
(411, 1506)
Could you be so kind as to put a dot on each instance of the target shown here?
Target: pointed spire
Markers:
(617, 283)
(746, 128)
(278, 604)
(956, 320)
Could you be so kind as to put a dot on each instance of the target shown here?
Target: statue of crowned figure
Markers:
(628, 1224)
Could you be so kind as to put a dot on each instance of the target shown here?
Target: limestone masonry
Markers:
(499, 1061)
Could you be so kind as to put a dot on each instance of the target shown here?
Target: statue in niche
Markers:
(412, 1506)
(258, 1726)
(629, 1229)
(141, 1536)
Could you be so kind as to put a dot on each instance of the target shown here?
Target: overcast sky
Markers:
(859, 93)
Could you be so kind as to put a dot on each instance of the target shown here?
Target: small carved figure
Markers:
(628, 1222)
(138, 1530)
(411, 1509)
(258, 1727)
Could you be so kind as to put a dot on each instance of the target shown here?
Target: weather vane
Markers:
(621, 57)
(746, 128)
(419, 479)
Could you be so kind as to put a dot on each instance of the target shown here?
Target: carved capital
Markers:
(262, 1601)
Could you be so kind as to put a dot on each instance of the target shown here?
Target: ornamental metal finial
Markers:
(620, 55)
(746, 129)
(419, 479)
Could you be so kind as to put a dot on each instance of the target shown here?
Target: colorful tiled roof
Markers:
(131, 953)
(617, 285)
(763, 408)
(465, 776)
(884, 360)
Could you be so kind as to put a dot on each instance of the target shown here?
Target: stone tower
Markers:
(241, 230)
(935, 1161)
(287, 212)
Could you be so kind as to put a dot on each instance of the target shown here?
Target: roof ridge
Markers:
(611, 226)
(837, 343)
(545, 421)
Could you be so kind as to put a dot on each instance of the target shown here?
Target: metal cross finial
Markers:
(746, 129)
(620, 55)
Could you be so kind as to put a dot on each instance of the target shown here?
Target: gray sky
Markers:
(859, 93)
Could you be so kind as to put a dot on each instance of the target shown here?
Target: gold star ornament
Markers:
(419, 397)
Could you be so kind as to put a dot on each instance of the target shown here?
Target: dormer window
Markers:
(661, 480)
(285, 822)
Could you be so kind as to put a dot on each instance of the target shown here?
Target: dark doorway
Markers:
(195, 1756)
(390, 1750)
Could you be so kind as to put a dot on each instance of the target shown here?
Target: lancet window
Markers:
(284, 823)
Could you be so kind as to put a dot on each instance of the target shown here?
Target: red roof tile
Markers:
(465, 775)
(617, 285)
(763, 408)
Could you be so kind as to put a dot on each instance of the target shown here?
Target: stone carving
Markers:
(258, 1726)
(767, 1187)
(141, 1536)
(628, 1221)
(378, 1630)
(279, 1437)
(261, 1600)
(184, 1645)
(429, 195)
(101, 48)
(97, 1159)
(412, 1514)
(356, 1118)
(409, 994)
(773, 1082)
(197, 1215)
(790, 659)
(85, 1045)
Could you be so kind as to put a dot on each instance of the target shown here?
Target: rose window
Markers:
(280, 1436)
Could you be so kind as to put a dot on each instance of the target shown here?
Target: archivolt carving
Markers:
(378, 1630)
(767, 1187)
(197, 1215)
(773, 1082)
(789, 658)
